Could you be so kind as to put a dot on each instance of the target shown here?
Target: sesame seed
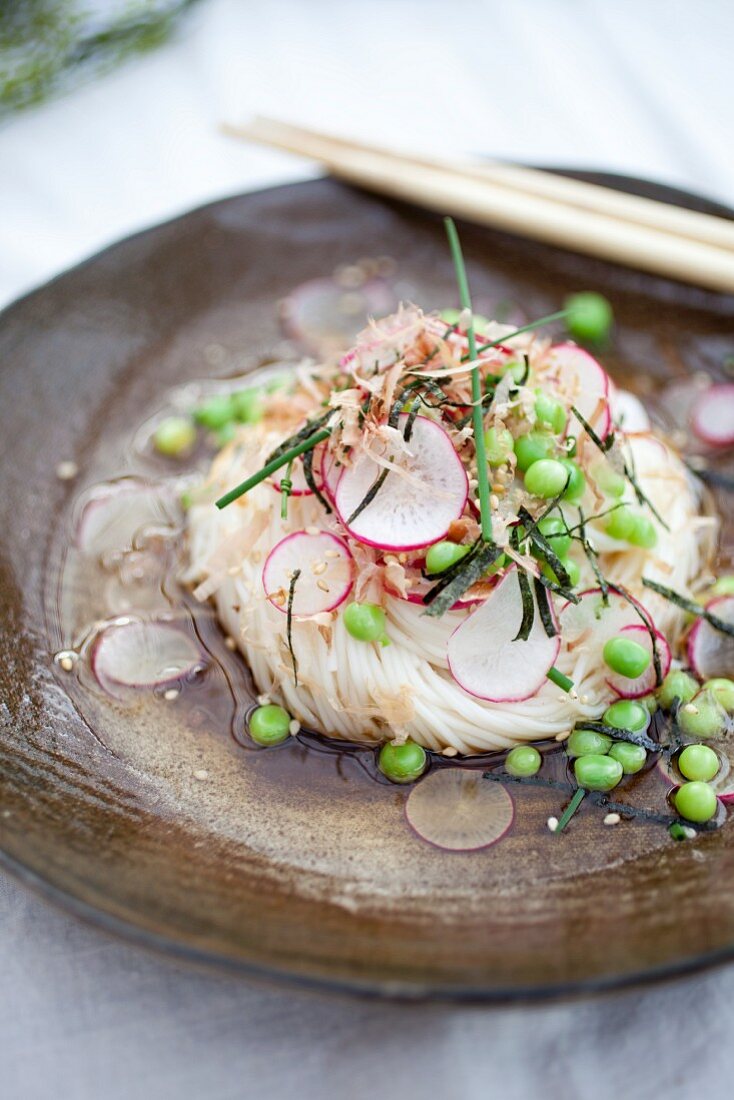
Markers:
(449, 751)
(313, 530)
(263, 699)
(494, 500)
(230, 642)
(563, 736)
(552, 823)
(171, 694)
(690, 709)
(318, 567)
(234, 570)
(322, 585)
(584, 699)
(65, 471)
(331, 554)
(690, 833)
(293, 727)
(612, 819)
(255, 556)
(201, 774)
(66, 663)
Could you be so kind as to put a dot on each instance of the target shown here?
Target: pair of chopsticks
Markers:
(638, 232)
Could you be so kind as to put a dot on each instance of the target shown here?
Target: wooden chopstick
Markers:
(476, 194)
(650, 213)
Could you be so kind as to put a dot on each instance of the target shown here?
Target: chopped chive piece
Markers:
(559, 679)
(678, 831)
(557, 316)
(571, 809)
(271, 467)
(485, 508)
(286, 488)
(690, 606)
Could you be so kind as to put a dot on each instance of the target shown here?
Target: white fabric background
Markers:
(641, 87)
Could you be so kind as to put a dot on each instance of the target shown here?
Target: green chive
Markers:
(272, 466)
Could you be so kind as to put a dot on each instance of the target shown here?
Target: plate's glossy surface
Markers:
(304, 870)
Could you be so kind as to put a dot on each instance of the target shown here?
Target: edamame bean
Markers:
(365, 621)
(571, 567)
(703, 717)
(532, 447)
(247, 405)
(631, 757)
(550, 411)
(174, 436)
(723, 692)
(442, 555)
(555, 531)
(546, 478)
(523, 760)
(576, 485)
(597, 773)
(402, 763)
(696, 802)
(625, 657)
(724, 586)
(587, 743)
(627, 714)
(678, 685)
(698, 762)
(269, 725)
(590, 318)
(215, 412)
(499, 445)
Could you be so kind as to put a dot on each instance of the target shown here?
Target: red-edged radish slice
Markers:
(143, 654)
(457, 810)
(711, 652)
(712, 416)
(115, 513)
(628, 411)
(326, 572)
(587, 383)
(412, 510)
(588, 625)
(642, 685)
(418, 590)
(483, 656)
(723, 782)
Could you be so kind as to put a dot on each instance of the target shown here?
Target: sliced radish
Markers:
(418, 590)
(116, 512)
(723, 782)
(628, 411)
(139, 654)
(483, 656)
(711, 652)
(642, 685)
(712, 416)
(457, 810)
(413, 509)
(326, 572)
(588, 625)
(579, 374)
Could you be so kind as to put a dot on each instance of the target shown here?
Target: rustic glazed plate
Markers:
(294, 863)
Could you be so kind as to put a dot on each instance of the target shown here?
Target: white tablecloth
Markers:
(644, 88)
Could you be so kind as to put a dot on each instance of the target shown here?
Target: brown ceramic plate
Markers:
(294, 863)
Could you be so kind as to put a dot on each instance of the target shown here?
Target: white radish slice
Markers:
(413, 508)
(326, 573)
(330, 471)
(711, 652)
(457, 810)
(143, 654)
(641, 685)
(483, 656)
(116, 512)
(723, 782)
(628, 411)
(586, 382)
(712, 416)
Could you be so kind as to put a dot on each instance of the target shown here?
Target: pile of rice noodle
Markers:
(368, 693)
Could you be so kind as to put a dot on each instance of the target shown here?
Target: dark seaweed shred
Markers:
(289, 623)
(690, 605)
(544, 610)
(460, 577)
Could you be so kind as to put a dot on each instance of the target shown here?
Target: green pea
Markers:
(442, 555)
(678, 685)
(620, 523)
(644, 532)
(703, 717)
(696, 801)
(608, 480)
(631, 757)
(532, 447)
(452, 316)
(497, 566)
(587, 743)
(402, 763)
(723, 691)
(215, 412)
(523, 760)
(247, 405)
(590, 318)
(499, 445)
(576, 485)
(226, 434)
(627, 714)
(556, 532)
(550, 411)
(365, 621)
(724, 586)
(571, 567)
(546, 478)
(517, 370)
(698, 762)
(174, 436)
(628, 658)
(597, 773)
(269, 725)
